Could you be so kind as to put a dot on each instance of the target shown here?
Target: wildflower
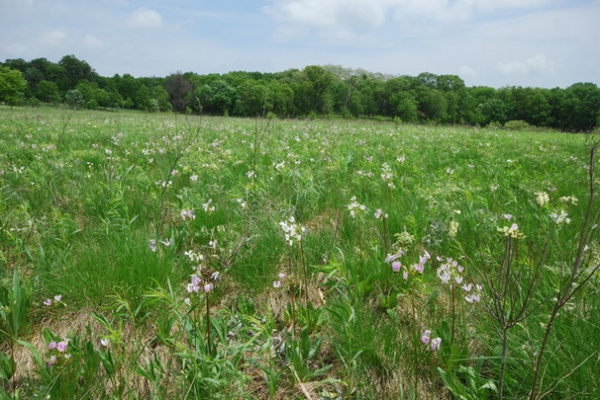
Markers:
(425, 337)
(52, 345)
(152, 245)
(194, 257)
(277, 284)
(187, 214)
(208, 207)
(512, 231)
(387, 175)
(405, 275)
(242, 203)
(542, 198)
(453, 229)
(213, 244)
(215, 276)
(166, 242)
(208, 287)
(355, 207)
(396, 265)
(560, 218)
(62, 346)
(393, 257)
(187, 301)
(58, 298)
(292, 231)
(435, 343)
(105, 342)
(47, 302)
(473, 298)
(507, 217)
(569, 199)
(52, 360)
(194, 178)
(194, 285)
(380, 214)
(250, 174)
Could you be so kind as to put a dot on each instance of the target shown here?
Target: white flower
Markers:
(542, 198)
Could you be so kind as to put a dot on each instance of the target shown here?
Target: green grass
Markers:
(82, 195)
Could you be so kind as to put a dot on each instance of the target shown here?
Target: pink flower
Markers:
(52, 361)
(425, 337)
(52, 345)
(62, 346)
(187, 214)
(208, 287)
(435, 343)
(47, 302)
(396, 265)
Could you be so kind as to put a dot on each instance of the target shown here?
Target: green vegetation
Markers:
(176, 256)
(315, 91)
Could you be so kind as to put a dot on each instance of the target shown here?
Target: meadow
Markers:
(151, 256)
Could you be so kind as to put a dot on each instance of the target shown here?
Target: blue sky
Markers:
(541, 43)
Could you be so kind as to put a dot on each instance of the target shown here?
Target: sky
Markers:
(530, 43)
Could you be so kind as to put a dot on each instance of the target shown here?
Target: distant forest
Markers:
(315, 91)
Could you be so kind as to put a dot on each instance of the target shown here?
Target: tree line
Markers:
(314, 91)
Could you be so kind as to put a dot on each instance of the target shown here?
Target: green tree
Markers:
(48, 92)
(75, 71)
(75, 99)
(216, 98)
(579, 108)
(178, 87)
(12, 86)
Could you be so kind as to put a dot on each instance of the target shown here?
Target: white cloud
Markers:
(92, 42)
(54, 38)
(467, 71)
(146, 18)
(358, 14)
(532, 65)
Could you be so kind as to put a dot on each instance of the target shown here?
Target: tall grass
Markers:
(121, 214)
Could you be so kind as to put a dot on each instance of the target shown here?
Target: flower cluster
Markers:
(193, 256)
(512, 231)
(187, 214)
(541, 198)
(387, 176)
(560, 217)
(292, 231)
(433, 344)
(380, 214)
(58, 349)
(453, 229)
(355, 207)
(278, 282)
(152, 244)
(208, 206)
(396, 264)
(450, 272)
(57, 299)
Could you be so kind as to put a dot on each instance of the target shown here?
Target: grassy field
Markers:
(169, 256)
